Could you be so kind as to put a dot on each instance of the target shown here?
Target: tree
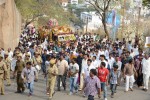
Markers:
(76, 12)
(80, 1)
(101, 7)
(146, 3)
(33, 9)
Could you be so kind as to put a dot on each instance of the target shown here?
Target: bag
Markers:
(38, 68)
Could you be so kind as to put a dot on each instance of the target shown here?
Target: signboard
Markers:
(66, 37)
(147, 43)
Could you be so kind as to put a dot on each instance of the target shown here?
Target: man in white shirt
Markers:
(111, 61)
(102, 59)
(135, 50)
(119, 63)
(84, 64)
(62, 72)
(146, 71)
(106, 53)
(101, 52)
(10, 54)
(2, 52)
(129, 46)
(132, 54)
(73, 74)
(86, 69)
(29, 75)
(94, 62)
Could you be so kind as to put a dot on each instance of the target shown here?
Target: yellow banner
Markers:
(67, 37)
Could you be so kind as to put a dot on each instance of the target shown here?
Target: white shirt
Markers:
(132, 54)
(2, 53)
(86, 70)
(101, 53)
(29, 74)
(120, 51)
(84, 63)
(47, 63)
(119, 63)
(73, 68)
(10, 55)
(146, 66)
(94, 37)
(129, 47)
(136, 51)
(111, 62)
(106, 53)
(13, 64)
(99, 63)
(95, 63)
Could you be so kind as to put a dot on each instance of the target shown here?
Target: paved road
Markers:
(39, 94)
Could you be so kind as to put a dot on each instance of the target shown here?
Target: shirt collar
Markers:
(93, 77)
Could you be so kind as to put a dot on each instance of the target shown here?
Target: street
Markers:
(40, 86)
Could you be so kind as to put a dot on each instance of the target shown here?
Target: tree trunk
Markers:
(27, 23)
(105, 27)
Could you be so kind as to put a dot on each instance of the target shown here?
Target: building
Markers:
(92, 21)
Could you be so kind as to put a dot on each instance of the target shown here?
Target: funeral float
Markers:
(61, 34)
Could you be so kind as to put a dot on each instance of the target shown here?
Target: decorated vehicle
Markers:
(57, 33)
(62, 33)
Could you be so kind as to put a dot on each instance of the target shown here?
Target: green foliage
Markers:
(30, 9)
(146, 3)
(81, 1)
(75, 10)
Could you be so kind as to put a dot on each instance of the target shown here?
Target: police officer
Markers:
(8, 65)
(52, 72)
(18, 69)
(37, 60)
(3, 70)
(27, 58)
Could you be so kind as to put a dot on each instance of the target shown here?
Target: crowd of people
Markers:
(90, 64)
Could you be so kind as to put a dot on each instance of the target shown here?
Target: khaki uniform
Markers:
(8, 65)
(37, 61)
(3, 69)
(25, 61)
(19, 67)
(51, 79)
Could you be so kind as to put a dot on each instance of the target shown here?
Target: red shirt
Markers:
(102, 74)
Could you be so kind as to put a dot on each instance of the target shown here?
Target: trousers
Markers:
(20, 84)
(146, 80)
(51, 85)
(104, 88)
(73, 83)
(8, 77)
(2, 86)
(129, 82)
(81, 81)
(30, 86)
(90, 97)
(113, 88)
(61, 78)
